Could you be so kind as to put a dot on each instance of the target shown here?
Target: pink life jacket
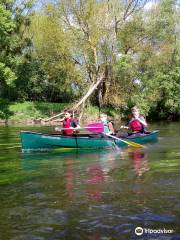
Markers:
(67, 124)
(135, 125)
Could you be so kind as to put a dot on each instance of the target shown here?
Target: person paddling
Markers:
(68, 122)
(137, 123)
(108, 126)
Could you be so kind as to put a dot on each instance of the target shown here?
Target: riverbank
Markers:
(30, 113)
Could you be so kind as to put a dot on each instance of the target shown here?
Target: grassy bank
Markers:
(27, 112)
(31, 112)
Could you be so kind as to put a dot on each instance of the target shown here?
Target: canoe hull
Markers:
(42, 142)
(33, 141)
(144, 138)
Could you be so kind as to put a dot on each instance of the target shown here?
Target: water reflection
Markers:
(95, 176)
(88, 181)
(69, 178)
(140, 161)
(91, 194)
(87, 174)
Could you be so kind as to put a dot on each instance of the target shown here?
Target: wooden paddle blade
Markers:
(95, 127)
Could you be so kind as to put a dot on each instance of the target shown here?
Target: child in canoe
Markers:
(69, 123)
(137, 123)
(108, 126)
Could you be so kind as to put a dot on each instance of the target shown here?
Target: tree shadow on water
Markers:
(5, 112)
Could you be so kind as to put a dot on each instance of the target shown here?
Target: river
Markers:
(90, 195)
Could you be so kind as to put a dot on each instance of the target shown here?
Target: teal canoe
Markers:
(33, 141)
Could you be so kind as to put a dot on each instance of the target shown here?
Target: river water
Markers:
(90, 195)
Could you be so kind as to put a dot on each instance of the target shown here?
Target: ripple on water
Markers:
(44, 196)
(152, 217)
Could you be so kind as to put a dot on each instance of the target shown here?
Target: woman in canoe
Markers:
(69, 123)
(137, 123)
(108, 126)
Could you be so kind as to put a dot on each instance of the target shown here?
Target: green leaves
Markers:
(7, 75)
(5, 113)
(7, 26)
(6, 23)
(55, 53)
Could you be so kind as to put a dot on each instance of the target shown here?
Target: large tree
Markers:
(112, 52)
(81, 37)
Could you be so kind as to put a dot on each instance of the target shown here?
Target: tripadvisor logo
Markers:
(139, 231)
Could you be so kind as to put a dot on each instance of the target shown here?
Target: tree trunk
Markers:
(89, 92)
(92, 88)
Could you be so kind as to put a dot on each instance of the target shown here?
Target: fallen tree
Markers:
(102, 77)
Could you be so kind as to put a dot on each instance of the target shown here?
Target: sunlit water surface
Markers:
(93, 195)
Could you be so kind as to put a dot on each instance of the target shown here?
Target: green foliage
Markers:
(55, 53)
(169, 88)
(7, 26)
(156, 60)
(13, 47)
(7, 76)
(5, 112)
(34, 110)
(52, 48)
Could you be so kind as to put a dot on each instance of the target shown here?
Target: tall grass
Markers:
(34, 110)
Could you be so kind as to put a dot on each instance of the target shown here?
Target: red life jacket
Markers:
(135, 125)
(67, 124)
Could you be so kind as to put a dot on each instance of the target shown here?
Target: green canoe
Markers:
(33, 141)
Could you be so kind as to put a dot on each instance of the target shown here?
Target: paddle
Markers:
(93, 127)
(133, 144)
(99, 128)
